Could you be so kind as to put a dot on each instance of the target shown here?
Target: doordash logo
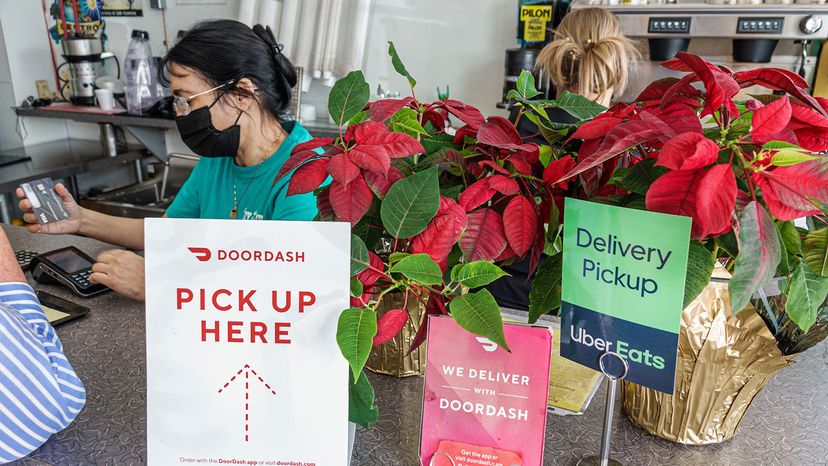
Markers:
(247, 255)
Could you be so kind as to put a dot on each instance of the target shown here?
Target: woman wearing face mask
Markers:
(232, 87)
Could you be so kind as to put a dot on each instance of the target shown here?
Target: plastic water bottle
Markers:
(141, 78)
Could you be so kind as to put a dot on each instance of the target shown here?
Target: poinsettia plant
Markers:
(743, 170)
(433, 209)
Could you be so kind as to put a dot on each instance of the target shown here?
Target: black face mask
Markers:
(199, 134)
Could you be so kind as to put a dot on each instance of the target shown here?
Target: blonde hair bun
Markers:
(589, 54)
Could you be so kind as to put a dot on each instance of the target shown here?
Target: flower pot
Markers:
(391, 357)
(724, 360)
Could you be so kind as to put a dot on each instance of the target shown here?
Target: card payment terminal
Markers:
(69, 267)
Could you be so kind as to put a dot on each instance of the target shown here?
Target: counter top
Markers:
(119, 119)
(61, 159)
(787, 424)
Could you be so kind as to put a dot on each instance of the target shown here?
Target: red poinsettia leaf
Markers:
(536, 252)
(450, 206)
(506, 254)
(308, 177)
(435, 306)
(371, 158)
(382, 110)
(557, 169)
(380, 183)
(314, 143)
(323, 205)
(779, 209)
(342, 169)
(594, 129)
(771, 119)
(786, 135)
(676, 65)
(464, 132)
(520, 223)
(675, 193)
(808, 116)
(618, 140)
(773, 79)
(521, 163)
(437, 119)
(753, 105)
(813, 139)
(688, 151)
(657, 89)
(373, 273)
(681, 117)
(466, 113)
(720, 87)
(504, 185)
(657, 123)
(441, 234)
(351, 201)
(296, 159)
(358, 133)
(494, 166)
(793, 186)
(396, 145)
(715, 201)
(390, 325)
(498, 132)
(477, 194)
(484, 238)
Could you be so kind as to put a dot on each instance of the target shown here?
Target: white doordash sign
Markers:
(242, 361)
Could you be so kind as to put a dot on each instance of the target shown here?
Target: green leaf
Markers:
(348, 97)
(398, 64)
(806, 296)
(455, 272)
(641, 176)
(545, 293)
(479, 314)
(727, 242)
(526, 85)
(545, 155)
(815, 251)
(359, 255)
(451, 192)
(395, 257)
(700, 263)
(355, 334)
(360, 117)
(759, 254)
(406, 121)
(478, 273)
(437, 142)
(790, 237)
(579, 106)
(362, 408)
(421, 268)
(786, 157)
(356, 287)
(551, 134)
(411, 203)
(777, 145)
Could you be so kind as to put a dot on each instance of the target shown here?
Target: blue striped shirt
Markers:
(39, 391)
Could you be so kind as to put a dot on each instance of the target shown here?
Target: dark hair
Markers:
(223, 50)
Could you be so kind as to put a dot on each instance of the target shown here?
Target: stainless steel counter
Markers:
(787, 425)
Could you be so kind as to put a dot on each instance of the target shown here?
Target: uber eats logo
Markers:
(624, 349)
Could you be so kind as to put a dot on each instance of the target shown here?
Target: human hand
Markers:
(68, 226)
(121, 270)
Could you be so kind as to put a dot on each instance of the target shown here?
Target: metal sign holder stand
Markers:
(606, 437)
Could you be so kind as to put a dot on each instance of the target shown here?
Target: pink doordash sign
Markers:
(483, 406)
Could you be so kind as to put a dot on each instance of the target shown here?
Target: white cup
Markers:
(307, 113)
(106, 101)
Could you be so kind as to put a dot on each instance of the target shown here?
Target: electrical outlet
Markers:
(43, 91)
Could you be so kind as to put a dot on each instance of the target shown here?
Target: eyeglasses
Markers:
(181, 105)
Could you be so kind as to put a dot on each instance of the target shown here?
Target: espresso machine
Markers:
(84, 56)
(743, 35)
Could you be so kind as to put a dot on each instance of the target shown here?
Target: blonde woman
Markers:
(588, 55)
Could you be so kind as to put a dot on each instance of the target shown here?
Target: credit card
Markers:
(47, 205)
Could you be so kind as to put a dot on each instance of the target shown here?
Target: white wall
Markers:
(461, 43)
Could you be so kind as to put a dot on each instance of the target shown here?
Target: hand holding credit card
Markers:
(47, 205)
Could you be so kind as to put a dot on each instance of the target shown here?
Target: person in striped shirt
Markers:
(40, 394)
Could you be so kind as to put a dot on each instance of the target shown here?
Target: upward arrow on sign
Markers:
(247, 371)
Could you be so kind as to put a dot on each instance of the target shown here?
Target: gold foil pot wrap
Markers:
(390, 358)
(724, 360)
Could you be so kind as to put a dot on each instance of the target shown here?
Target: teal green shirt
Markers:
(208, 192)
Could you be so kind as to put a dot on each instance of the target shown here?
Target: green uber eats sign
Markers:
(623, 288)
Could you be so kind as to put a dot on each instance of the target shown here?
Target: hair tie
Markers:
(277, 48)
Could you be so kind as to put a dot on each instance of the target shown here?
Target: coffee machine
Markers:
(83, 57)
(738, 34)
